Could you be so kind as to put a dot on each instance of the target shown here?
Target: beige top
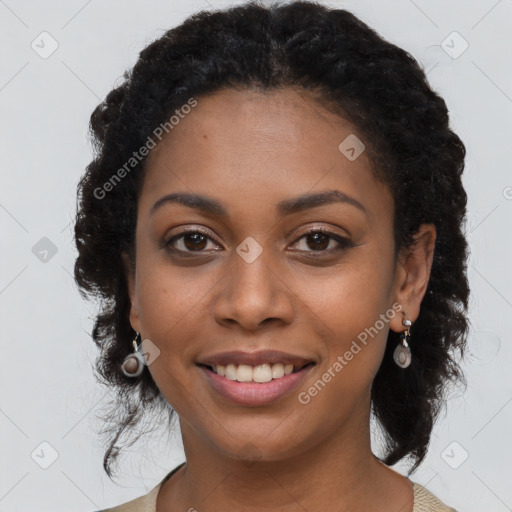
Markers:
(424, 500)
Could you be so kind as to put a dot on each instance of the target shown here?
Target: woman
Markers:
(273, 223)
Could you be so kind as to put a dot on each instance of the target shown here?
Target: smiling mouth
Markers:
(261, 373)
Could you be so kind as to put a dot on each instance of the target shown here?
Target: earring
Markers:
(402, 353)
(133, 364)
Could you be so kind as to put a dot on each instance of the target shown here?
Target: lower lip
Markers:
(253, 393)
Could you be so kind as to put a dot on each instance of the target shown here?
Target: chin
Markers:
(254, 445)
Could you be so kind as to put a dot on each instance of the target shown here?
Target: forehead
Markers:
(252, 124)
(260, 145)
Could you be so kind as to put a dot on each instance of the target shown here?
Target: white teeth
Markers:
(244, 373)
(230, 372)
(261, 373)
(277, 371)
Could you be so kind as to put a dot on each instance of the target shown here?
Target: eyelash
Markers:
(344, 243)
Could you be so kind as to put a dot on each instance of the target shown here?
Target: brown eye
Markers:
(319, 240)
(195, 241)
(191, 241)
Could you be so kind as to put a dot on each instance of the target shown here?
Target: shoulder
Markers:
(425, 501)
(145, 503)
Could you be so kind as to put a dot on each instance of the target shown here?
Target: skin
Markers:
(250, 150)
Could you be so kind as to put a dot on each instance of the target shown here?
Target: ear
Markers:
(129, 271)
(413, 274)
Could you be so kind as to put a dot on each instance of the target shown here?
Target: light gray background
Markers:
(48, 393)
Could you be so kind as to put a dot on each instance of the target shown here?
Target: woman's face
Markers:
(237, 272)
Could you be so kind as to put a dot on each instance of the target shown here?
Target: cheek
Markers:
(353, 352)
(170, 297)
(168, 308)
(353, 303)
(163, 314)
(348, 298)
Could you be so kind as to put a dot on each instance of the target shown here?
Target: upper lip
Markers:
(254, 358)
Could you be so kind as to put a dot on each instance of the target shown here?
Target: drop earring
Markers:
(133, 364)
(402, 353)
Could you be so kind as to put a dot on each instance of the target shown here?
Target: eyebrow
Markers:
(208, 205)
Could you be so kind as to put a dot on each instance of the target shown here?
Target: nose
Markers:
(253, 295)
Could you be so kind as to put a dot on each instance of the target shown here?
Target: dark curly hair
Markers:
(350, 70)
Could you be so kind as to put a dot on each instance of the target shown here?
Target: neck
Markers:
(340, 470)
